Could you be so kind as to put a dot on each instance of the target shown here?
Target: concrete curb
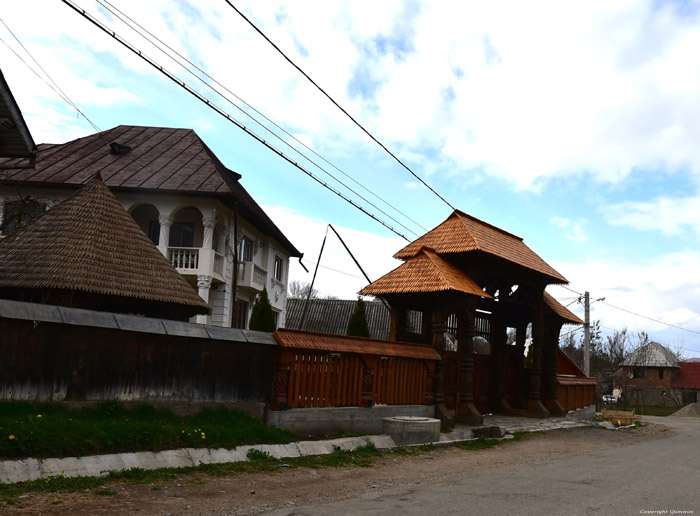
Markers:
(12, 471)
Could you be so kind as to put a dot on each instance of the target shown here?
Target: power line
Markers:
(651, 318)
(53, 85)
(119, 14)
(337, 105)
(221, 112)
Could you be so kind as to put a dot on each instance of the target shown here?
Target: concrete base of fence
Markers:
(316, 421)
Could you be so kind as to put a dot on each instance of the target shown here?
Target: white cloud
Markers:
(574, 230)
(666, 289)
(671, 216)
(338, 275)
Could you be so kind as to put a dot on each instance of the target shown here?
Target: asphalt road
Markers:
(655, 476)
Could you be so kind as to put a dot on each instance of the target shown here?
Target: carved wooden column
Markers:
(522, 385)
(466, 410)
(438, 327)
(549, 369)
(535, 407)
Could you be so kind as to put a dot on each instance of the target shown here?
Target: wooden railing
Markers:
(327, 378)
(575, 392)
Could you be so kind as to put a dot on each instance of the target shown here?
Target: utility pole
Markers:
(587, 334)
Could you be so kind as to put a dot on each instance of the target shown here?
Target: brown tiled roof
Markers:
(462, 233)
(160, 159)
(89, 243)
(424, 272)
(561, 310)
(344, 344)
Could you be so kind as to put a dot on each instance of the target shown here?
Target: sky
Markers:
(573, 125)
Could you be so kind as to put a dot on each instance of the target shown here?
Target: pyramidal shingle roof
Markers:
(651, 355)
(462, 233)
(560, 310)
(89, 243)
(424, 272)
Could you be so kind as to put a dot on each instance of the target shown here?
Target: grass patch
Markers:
(52, 430)
(361, 457)
(654, 410)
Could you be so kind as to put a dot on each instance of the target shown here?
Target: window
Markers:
(638, 372)
(661, 373)
(279, 266)
(154, 231)
(181, 234)
(246, 251)
(20, 213)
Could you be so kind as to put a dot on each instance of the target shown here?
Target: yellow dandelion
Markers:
(38, 415)
(183, 431)
(11, 437)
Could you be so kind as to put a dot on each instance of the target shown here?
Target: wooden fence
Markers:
(350, 372)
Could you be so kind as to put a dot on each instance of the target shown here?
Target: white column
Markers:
(165, 222)
(203, 286)
(209, 223)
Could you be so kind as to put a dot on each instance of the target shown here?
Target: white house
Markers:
(181, 195)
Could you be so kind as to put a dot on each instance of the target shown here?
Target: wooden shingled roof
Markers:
(424, 272)
(89, 243)
(462, 233)
(560, 310)
(158, 159)
(343, 344)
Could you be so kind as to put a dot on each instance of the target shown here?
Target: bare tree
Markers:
(300, 290)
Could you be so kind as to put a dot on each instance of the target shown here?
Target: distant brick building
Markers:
(648, 376)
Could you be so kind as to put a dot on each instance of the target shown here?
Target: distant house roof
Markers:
(333, 316)
(462, 233)
(131, 158)
(651, 355)
(15, 139)
(89, 243)
(561, 310)
(688, 376)
(344, 344)
(424, 272)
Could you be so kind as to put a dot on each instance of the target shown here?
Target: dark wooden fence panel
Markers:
(50, 361)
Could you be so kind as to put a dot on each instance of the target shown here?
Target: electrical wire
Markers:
(223, 113)
(53, 85)
(338, 105)
(651, 318)
(121, 15)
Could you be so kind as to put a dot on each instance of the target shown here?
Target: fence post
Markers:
(280, 387)
(369, 365)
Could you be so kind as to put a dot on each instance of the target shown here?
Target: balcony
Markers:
(251, 276)
(197, 261)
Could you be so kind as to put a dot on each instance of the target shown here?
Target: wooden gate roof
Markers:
(560, 310)
(325, 342)
(462, 233)
(91, 244)
(424, 272)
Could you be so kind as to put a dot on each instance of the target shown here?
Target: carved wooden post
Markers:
(549, 370)
(428, 390)
(466, 410)
(438, 327)
(534, 405)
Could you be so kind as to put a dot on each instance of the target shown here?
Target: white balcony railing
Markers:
(251, 276)
(197, 261)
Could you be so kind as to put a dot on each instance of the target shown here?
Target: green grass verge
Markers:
(52, 430)
(259, 462)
